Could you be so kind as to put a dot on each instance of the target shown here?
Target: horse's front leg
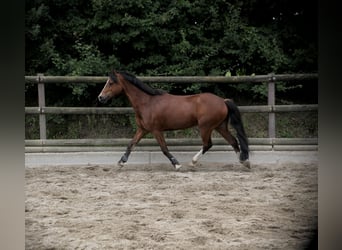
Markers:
(161, 141)
(136, 138)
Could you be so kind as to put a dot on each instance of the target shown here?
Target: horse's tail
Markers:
(236, 121)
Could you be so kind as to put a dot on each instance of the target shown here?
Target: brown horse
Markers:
(157, 111)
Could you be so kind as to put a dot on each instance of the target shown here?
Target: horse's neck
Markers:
(136, 97)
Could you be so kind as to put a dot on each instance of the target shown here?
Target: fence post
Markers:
(41, 104)
(271, 101)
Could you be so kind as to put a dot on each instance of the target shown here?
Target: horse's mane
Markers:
(138, 83)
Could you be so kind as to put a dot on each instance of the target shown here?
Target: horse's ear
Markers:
(112, 75)
(112, 71)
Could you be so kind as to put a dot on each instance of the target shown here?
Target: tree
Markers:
(174, 37)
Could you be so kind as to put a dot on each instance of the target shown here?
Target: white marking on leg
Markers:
(178, 166)
(197, 156)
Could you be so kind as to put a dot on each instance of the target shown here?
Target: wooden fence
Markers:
(43, 144)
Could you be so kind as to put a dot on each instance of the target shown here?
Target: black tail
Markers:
(236, 122)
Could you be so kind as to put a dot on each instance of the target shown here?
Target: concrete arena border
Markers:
(148, 157)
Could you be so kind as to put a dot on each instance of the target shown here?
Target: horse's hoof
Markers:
(193, 163)
(178, 166)
(121, 164)
(246, 163)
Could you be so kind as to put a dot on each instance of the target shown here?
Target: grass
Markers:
(300, 124)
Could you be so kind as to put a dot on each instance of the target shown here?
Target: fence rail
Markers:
(270, 108)
(129, 110)
(176, 79)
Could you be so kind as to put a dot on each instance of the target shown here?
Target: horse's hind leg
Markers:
(223, 130)
(207, 144)
(161, 141)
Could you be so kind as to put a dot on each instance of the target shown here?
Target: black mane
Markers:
(138, 83)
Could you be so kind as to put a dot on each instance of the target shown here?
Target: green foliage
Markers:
(202, 37)
(89, 61)
(172, 37)
(259, 92)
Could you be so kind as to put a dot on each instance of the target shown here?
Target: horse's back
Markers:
(210, 99)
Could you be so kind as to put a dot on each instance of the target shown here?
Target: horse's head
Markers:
(111, 88)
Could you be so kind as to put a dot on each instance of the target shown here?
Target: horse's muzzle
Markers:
(102, 99)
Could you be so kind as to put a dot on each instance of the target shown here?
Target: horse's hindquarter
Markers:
(212, 110)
